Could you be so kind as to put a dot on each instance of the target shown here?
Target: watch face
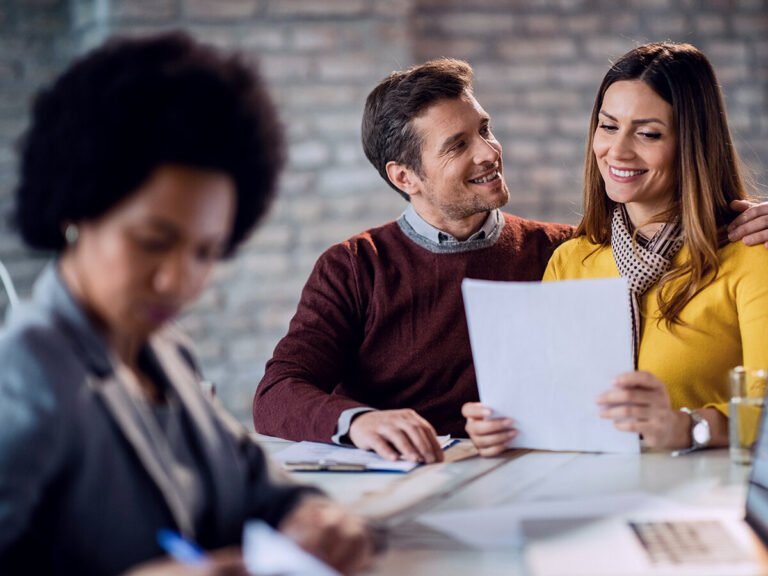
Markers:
(701, 433)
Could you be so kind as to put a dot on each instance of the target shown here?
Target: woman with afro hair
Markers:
(145, 162)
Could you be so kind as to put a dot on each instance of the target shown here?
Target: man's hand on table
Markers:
(395, 434)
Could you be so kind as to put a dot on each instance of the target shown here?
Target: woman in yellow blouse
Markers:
(660, 176)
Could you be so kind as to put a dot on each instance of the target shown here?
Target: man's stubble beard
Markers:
(476, 206)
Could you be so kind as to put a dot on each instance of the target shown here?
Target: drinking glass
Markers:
(745, 409)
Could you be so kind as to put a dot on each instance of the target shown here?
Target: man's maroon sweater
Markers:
(381, 324)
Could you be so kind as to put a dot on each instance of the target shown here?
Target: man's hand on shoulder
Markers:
(751, 226)
(393, 434)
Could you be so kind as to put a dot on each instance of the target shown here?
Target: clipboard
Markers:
(320, 457)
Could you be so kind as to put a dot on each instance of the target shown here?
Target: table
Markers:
(705, 478)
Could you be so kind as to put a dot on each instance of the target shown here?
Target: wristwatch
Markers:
(700, 432)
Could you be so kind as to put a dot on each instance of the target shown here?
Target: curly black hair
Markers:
(135, 104)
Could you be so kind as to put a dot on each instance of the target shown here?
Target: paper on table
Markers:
(316, 456)
(266, 552)
(543, 352)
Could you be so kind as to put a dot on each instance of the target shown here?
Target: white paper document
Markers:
(267, 552)
(320, 457)
(544, 352)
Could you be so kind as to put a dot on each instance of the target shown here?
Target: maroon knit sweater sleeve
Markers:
(381, 323)
(299, 397)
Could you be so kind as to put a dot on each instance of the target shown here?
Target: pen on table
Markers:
(448, 443)
(179, 548)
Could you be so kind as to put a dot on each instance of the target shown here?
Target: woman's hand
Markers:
(324, 528)
(639, 403)
(489, 435)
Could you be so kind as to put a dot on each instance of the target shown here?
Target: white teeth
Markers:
(488, 178)
(625, 173)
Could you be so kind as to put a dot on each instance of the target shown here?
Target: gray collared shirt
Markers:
(426, 230)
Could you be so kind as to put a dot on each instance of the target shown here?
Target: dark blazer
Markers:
(81, 489)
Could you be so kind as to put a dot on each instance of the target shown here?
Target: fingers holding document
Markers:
(489, 435)
(639, 403)
(395, 434)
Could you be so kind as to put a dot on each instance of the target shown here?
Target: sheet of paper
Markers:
(267, 552)
(543, 352)
(304, 456)
(501, 526)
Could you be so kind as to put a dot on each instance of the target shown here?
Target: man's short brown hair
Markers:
(388, 133)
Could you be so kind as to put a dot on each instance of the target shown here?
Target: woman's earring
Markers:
(71, 234)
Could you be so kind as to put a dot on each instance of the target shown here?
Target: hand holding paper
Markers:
(543, 353)
(639, 402)
(489, 435)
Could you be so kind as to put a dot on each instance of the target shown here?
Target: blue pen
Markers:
(179, 548)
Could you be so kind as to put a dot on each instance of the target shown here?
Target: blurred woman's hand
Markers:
(489, 435)
(329, 531)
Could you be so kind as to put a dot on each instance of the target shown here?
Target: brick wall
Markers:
(34, 44)
(537, 67)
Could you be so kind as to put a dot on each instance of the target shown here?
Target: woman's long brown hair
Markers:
(709, 174)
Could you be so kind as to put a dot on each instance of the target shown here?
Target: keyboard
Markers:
(687, 542)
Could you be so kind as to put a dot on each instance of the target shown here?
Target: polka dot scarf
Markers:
(642, 264)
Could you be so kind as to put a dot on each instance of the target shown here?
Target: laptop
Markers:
(662, 543)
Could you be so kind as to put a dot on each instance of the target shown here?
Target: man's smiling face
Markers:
(461, 176)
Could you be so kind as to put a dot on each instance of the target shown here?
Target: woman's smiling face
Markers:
(635, 146)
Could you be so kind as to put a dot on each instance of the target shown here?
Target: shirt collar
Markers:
(426, 230)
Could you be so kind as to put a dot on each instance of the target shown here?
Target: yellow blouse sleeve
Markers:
(749, 291)
(552, 273)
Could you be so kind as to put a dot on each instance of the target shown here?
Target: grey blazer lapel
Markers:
(124, 412)
(110, 380)
(212, 440)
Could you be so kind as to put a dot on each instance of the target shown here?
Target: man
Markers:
(381, 324)
(378, 353)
